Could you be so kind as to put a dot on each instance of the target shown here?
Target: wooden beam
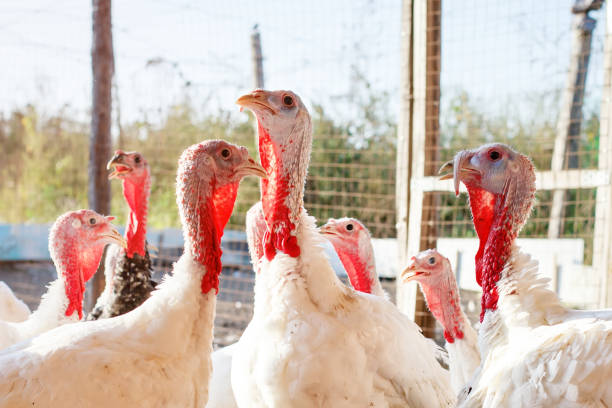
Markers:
(102, 66)
(430, 150)
(404, 295)
(545, 180)
(570, 116)
(257, 58)
(602, 236)
(418, 135)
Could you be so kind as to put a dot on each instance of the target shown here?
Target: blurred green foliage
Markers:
(44, 161)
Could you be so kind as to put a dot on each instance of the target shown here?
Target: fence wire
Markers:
(502, 69)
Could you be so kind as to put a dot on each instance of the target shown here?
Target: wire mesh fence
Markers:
(498, 71)
(529, 74)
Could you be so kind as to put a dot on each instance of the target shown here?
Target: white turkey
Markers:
(76, 242)
(314, 342)
(535, 353)
(157, 355)
(12, 309)
(353, 244)
(434, 274)
(221, 394)
(343, 234)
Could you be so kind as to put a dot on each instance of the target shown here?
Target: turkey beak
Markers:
(411, 271)
(114, 236)
(116, 160)
(251, 168)
(328, 230)
(258, 100)
(457, 168)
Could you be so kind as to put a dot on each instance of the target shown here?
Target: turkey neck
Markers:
(358, 261)
(136, 194)
(203, 221)
(282, 193)
(75, 268)
(444, 303)
(358, 270)
(497, 229)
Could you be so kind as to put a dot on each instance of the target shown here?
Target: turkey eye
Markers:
(92, 221)
(288, 100)
(137, 159)
(431, 260)
(349, 227)
(225, 153)
(494, 155)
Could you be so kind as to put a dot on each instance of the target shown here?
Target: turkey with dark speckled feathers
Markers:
(128, 271)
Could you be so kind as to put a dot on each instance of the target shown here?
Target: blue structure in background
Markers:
(21, 242)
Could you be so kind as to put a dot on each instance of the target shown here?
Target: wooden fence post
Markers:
(100, 140)
(567, 139)
(418, 132)
(602, 235)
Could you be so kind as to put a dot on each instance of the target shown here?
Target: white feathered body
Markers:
(11, 308)
(463, 356)
(221, 394)
(158, 355)
(49, 315)
(535, 352)
(314, 342)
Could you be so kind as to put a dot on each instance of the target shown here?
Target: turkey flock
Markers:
(313, 341)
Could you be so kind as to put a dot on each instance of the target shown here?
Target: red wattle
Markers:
(76, 271)
(213, 215)
(358, 275)
(495, 255)
(275, 190)
(450, 337)
(443, 302)
(136, 195)
(224, 198)
(482, 204)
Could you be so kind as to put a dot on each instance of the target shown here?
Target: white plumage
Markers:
(538, 354)
(157, 355)
(76, 248)
(315, 342)
(434, 274)
(221, 394)
(49, 315)
(12, 309)
(535, 352)
(463, 357)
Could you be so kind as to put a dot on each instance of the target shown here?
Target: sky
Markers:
(496, 50)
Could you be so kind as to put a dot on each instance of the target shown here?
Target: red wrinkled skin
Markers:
(76, 273)
(356, 270)
(136, 195)
(275, 190)
(496, 232)
(443, 302)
